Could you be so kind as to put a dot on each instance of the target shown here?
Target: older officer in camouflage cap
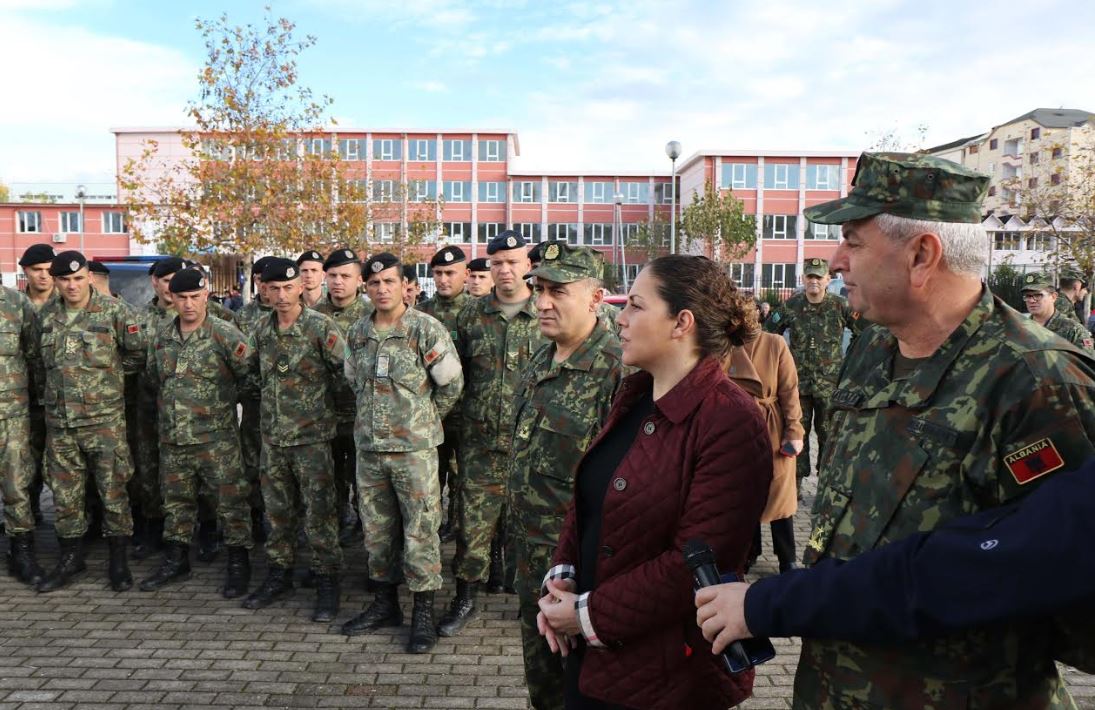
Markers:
(301, 354)
(450, 272)
(1038, 295)
(407, 376)
(816, 319)
(88, 343)
(344, 305)
(563, 399)
(495, 335)
(950, 403)
(197, 364)
(479, 279)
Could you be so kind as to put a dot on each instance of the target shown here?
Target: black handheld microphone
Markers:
(739, 655)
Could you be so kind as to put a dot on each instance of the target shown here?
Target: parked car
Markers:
(129, 277)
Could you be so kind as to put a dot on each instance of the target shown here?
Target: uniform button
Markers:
(607, 551)
(619, 484)
(649, 428)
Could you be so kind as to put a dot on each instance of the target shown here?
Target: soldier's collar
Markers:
(586, 354)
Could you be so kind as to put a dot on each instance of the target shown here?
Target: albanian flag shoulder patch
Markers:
(1034, 461)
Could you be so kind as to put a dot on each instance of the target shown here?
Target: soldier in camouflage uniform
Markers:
(1038, 294)
(344, 305)
(565, 394)
(1070, 296)
(495, 336)
(213, 308)
(19, 358)
(951, 404)
(479, 281)
(197, 364)
(816, 319)
(407, 376)
(35, 263)
(450, 272)
(300, 359)
(88, 343)
(311, 277)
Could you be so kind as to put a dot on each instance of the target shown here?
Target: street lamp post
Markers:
(618, 198)
(673, 150)
(81, 196)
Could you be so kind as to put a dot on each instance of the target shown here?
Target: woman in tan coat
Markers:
(763, 367)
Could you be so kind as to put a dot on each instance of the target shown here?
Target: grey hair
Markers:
(965, 245)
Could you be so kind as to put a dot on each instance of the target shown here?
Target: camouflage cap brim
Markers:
(559, 273)
(840, 211)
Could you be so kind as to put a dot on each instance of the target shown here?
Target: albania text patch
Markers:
(1034, 461)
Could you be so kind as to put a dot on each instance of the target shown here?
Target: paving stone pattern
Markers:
(185, 646)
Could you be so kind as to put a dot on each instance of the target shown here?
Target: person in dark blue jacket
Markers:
(1035, 558)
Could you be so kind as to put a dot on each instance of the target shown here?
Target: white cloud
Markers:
(431, 87)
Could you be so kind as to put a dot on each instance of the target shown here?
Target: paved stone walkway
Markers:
(185, 646)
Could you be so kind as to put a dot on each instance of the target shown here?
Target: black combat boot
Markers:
(117, 570)
(175, 565)
(462, 609)
(495, 580)
(383, 611)
(327, 592)
(70, 564)
(150, 539)
(22, 564)
(423, 632)
(209, 543)
(239, 573)
(278, 584)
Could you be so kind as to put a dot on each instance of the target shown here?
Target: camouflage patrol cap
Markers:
(815, 267)
(907, 185)
(1035, 281)
(564, 264)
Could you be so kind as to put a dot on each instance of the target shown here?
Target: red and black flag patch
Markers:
(133, 328)
(1034, 461)
(331, 340)
(241, 349)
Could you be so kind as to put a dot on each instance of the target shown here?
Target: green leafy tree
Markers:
(716, 225)
(652, 237)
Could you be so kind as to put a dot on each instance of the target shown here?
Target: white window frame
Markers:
(825, 184)
(526, 191)
(667, 192)
(420, 191)
(561, 189)
(569, 231)
(781, 280)
(455, 191)
(23, 225)
(387, 149)
(67, 219)
(421, 147)
(528, 231)
(490, 231)
(737, 273)
(353, 149)
(456, 151)
(317, 147)
(493, 151)
(599, 187)
(387, 190)
(785, 182)
(629, 232)
(634, 193)
(385, 232)
(739, 182)
(455, 230)
(597, 234)
(780, 232)
(493, 192)
(109, 218)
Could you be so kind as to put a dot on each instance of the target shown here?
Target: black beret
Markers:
(339, 257)
(507, 239)
(191, 264)
(188, 279)
(480, 264)
(410, 273)
(537, 252)
(37, 254)
(98, 267)
(259, 265)
(167, 266)
(379, 262)
(66, 263)
(310, 255)
(447, 257)
(278, 269)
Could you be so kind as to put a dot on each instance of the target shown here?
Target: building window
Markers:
(822, 177)
(780, 176)
(1055, 179)
(319, 146)
(993, 144)
(1035, 133)
(526, 191)
(383, 190)
(739, 176)
(457, 191)
(387, 149)
(492, 151)
(779, 226)
(1035, 157)
(598, 192)
(70, 222)
(1032, 182)
(629, 233)
(1013, 147)
(1006, 241)
(488, 231)
(113, 223)
(598, 235)
(562, 192)
(349, 148)
(1057, 152)
(422, 190)
(457, 151)
(663, 193)
(778, 275)
(1039, 241)
(563, 233)
(29, 222)
(529, 230)
(636, 193)
(830, 232)
(742, 274)
(492, 192)
(422, 149)
(973, 149)
(458, 231)
(385, 232)
(1011, 172)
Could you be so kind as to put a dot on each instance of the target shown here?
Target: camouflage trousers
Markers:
(544, 674)
(815, 414)
(401, 511)
(447, 468)
(480, 508)
(214, 466)
(99, 452)
(295, 477)
(38, 451)
(251, 449)
(344, 453)
(144, 488)
(17, 474)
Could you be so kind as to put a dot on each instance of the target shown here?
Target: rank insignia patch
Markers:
(1034, 461)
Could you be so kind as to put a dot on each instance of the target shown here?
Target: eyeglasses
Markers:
(1033, 296)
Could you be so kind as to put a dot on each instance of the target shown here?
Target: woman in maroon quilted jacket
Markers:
(683, 454)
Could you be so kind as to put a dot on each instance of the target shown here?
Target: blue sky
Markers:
(587, 85)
